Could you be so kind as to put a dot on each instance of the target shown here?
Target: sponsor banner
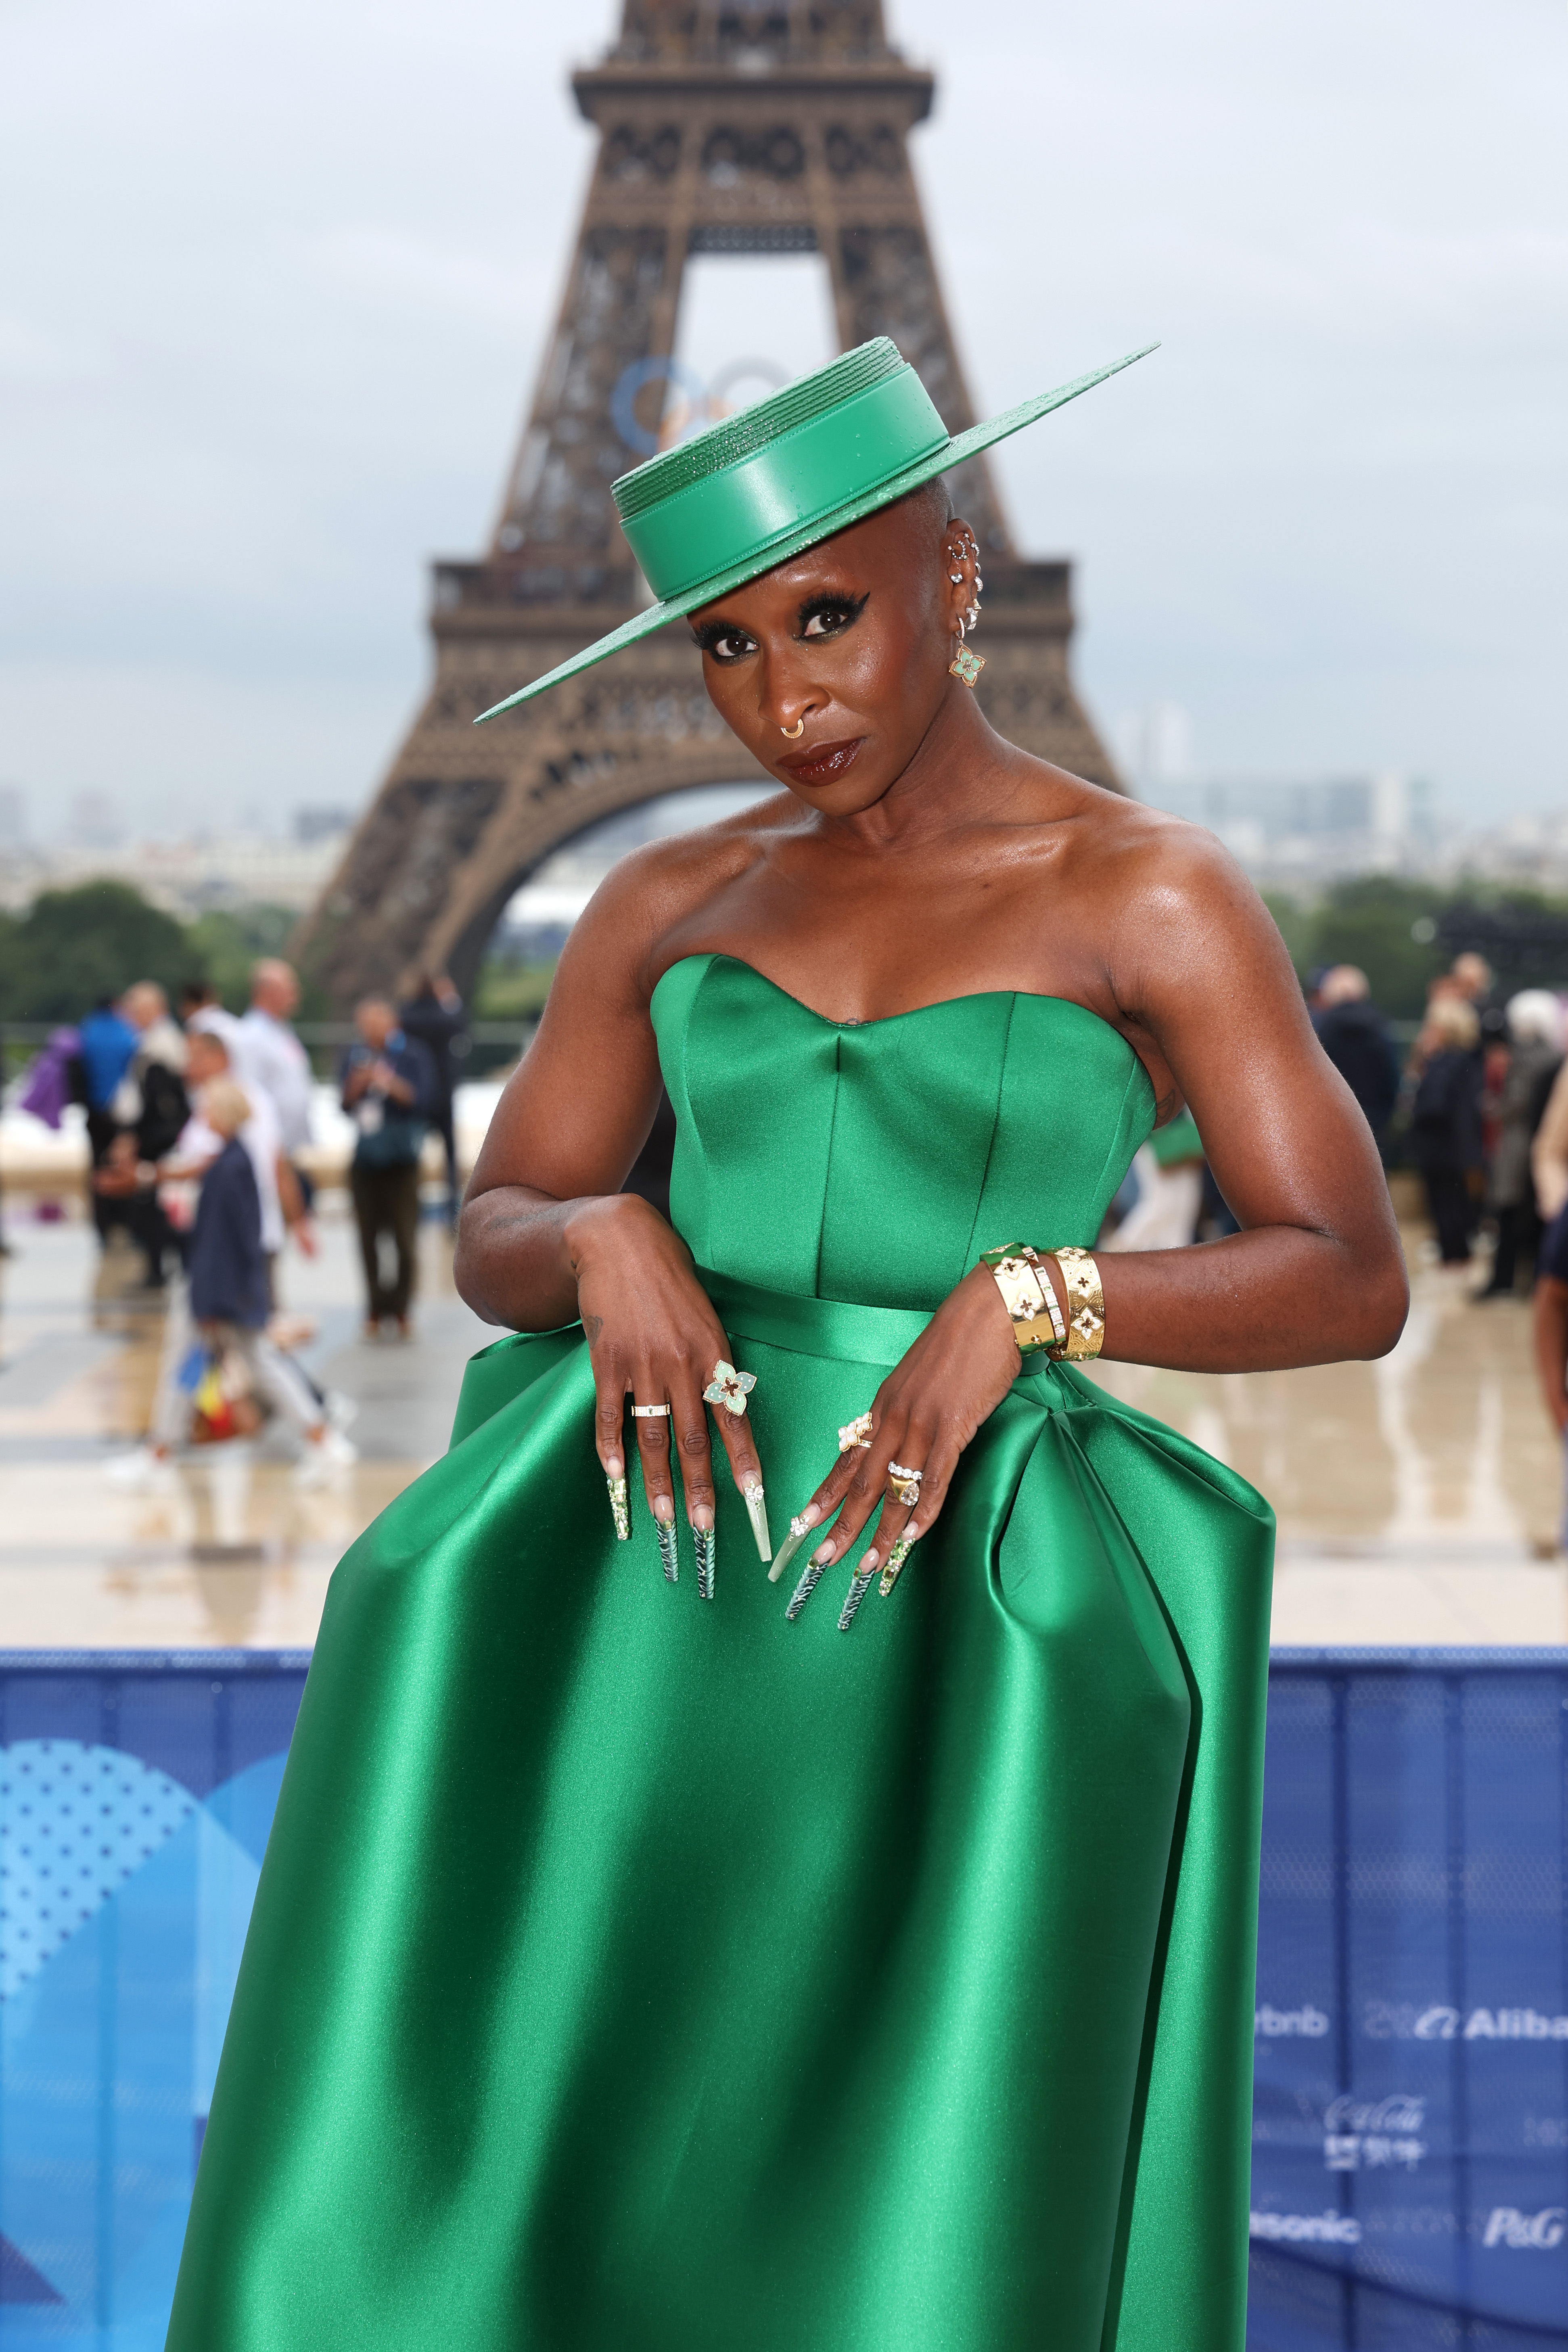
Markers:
(1410, 2119)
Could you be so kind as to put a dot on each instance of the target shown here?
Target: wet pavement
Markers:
(1418, 1498)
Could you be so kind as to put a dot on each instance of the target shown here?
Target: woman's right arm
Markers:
(547, 1234)
(575, 1115)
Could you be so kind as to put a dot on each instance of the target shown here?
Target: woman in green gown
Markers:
(650, 1957)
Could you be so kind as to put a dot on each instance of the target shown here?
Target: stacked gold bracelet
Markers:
(1038, 1328)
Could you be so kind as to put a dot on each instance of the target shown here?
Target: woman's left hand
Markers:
(922, 1417)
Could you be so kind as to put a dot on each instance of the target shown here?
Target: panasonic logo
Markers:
(1308, 2229)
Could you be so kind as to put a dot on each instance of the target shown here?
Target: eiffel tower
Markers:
(723, 129)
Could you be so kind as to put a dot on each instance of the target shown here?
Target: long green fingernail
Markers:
(798, 1532)
(859, 1584)
(757, 1512)
(705, 1543)
(667, 1549)
(617, 1493)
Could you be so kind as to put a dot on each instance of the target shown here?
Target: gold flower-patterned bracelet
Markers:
(1038, 1328)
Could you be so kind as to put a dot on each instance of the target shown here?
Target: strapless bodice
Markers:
(875, 1161)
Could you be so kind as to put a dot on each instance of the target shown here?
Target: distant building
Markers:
(185, 878)
(95, 821)
(323, 824)
(1312, 829)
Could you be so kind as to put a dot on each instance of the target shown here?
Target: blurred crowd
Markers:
(199, 1128)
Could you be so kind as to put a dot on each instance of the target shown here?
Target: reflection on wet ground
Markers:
(226, 1547)
(1418, 1498)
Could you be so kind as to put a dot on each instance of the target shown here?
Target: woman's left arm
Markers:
(1198, 972)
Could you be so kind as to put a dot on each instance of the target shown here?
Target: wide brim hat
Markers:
(783, 475)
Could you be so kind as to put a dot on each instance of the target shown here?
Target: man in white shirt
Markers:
(271, 1055)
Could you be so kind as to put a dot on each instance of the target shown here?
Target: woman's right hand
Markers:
(654, 1339)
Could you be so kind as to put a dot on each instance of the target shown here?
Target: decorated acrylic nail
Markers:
(704, 1542)
(667, 1553)
(859, 1585)
(810, 1579)
(799, 1529)
(617, 1493)
(757, 1512)
(896, 1559)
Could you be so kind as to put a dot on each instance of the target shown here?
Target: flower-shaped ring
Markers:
(729, 1388)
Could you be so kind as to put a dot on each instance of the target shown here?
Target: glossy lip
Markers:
(824, 761)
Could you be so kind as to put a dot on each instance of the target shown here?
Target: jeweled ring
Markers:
(854, 1432)
(729, 1388)
(903, 1484)
(650, 1413)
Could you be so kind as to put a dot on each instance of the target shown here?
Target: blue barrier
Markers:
(1410, 2167)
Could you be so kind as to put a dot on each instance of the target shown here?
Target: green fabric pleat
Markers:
(630, 1973)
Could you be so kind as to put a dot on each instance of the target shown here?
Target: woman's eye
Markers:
(826, 624)
(730, 648)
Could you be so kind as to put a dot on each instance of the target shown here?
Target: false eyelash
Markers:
(850, 606)
(711, 635)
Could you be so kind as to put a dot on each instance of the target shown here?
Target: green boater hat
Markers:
(732, 502)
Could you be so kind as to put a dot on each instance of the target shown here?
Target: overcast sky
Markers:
(275, 278)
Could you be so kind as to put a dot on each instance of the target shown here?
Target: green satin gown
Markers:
(632, 1973)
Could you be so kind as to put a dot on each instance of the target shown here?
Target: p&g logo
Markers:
(1525, 2232)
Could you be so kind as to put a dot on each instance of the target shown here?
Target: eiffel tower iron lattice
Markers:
(723, 130)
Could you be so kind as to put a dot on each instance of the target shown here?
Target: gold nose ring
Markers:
(796, 731)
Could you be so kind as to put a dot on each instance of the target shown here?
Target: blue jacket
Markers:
(107, 1046)
(227, 1266)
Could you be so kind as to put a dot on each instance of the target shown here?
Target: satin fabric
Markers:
(630, 1972)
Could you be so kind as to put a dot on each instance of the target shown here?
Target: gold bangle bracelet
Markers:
(1020, 1276)
(1086, 1305)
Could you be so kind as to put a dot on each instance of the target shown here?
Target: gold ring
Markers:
(855, 1432)
(903, 1484)
(794, 732)
(650, 1413)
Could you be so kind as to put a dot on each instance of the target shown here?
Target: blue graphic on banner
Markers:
(1410, 2154)
(1410, 2117)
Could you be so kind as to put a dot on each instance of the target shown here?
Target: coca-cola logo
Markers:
(1372, 2134)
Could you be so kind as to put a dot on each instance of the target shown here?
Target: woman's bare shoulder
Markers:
(633, 924)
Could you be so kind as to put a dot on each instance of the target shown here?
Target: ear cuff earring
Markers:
(964, 664)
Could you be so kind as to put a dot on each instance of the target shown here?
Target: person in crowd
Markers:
(1534, 1059)
(195, 997)
(1470, 976)
(106, 1042)
(1354, 1035)
(210, 1046)
(272, 1056)
(1446, 1121)
(434, 1016)
(228, 1157)
(229, 1300)
(151, 1106)
(386, 1083)
(1169, 1170)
